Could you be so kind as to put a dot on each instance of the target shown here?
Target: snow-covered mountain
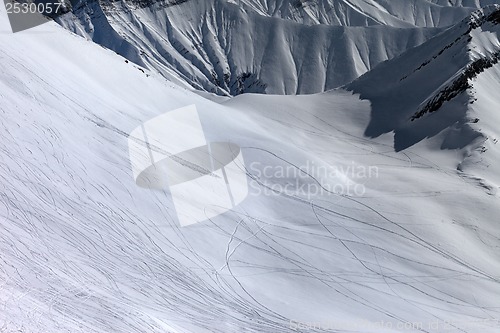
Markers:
(446, 87)
(224, 47)
(276, 47)
(220, 47)
(413, 249)
(417, 13)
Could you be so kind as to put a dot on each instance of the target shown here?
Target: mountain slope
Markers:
(233, 47)
(218, 47)
(443, 87)
(418, 13)
(85, 249)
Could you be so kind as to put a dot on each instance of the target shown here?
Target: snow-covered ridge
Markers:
(480, 61)
(421, 13)
(220, 47)
(432, 90)
(252, 46)
(459, 84)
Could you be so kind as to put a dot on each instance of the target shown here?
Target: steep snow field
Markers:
(84, 249)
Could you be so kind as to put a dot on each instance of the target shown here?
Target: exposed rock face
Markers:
(459, 85)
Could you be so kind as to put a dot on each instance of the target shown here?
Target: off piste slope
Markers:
(222, 48)
(446, 86)
(338, 233)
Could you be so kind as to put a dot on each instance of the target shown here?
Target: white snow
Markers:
(84, 249)
(273, 46)
(221, 48)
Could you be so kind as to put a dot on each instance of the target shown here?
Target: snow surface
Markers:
(417, 13)
(255, 46)
(221, 48)
(84, 249)
(405, 91)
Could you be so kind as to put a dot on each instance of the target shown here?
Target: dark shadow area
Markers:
(27, 14)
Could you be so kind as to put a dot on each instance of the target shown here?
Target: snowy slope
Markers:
(421, 13)
(275, 47)
(447, 87)
(219, 47)
(84, 249)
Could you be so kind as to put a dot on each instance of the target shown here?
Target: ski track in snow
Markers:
(83, 249)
